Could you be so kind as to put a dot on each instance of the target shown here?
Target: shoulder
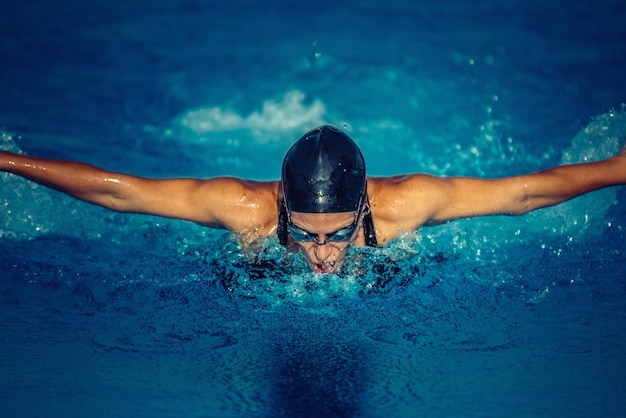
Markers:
(404, 191)
(236, 191)
(404, 203)
(405, 183)
(240, 205)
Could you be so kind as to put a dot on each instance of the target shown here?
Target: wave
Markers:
(277, 120)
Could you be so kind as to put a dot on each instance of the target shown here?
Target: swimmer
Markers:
(324, 202)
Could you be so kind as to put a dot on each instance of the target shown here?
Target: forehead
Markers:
(322, 222)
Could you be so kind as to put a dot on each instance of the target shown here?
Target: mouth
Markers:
(324, 268)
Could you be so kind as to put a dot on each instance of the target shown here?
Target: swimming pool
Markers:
(106, 314)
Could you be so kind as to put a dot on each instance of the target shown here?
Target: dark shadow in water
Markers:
(318, 374)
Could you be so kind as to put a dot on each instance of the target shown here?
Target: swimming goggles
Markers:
(341, 235)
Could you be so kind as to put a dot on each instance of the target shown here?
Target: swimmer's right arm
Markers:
(214, 202)
(79, 180)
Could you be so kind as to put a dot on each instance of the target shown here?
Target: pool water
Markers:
(117, 315)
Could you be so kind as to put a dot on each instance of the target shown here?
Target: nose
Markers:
(322, 251)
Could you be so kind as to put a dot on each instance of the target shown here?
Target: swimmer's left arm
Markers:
(461, 197)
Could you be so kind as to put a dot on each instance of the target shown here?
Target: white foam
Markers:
(581, 219)
(29, 210)
(282, 117)
(24, 206)
(7, 143)
(603, 138)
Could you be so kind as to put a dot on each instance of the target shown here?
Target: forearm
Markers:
(558, 184)
(82, 181)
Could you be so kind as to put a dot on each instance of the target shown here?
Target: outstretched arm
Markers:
(421, 199)
(220, 202)
(464, 197)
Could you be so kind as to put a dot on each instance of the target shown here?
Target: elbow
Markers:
(522, 203)
(528, 204)
(522, 207)
(518, 211)
(110, 195)
(115, 203)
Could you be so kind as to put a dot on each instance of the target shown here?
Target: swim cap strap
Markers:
(368, 226)
(282, 230)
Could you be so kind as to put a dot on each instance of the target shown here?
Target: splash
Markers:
(274, 276)
(7, 143)
(586, 216)
(280, 118)
(580, 219)
(29, 210)
(604, 137)
(18, 216)
(419, 260)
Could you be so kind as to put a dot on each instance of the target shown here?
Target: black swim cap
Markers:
(324, 172)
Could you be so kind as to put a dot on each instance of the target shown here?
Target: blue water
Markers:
(116, 315)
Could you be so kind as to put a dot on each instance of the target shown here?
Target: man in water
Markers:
(324, 202)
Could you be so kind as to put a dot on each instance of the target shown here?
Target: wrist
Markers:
(7, 160)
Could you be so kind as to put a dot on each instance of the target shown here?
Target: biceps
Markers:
(172, 198)
(469, 197)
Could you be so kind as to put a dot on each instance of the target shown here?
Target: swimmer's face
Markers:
(324, 238)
